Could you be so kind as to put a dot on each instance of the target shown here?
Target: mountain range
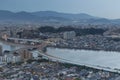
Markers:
(52, 16)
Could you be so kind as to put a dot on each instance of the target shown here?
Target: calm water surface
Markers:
(89, 57)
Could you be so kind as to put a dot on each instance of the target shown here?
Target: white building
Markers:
(7, 58)
(69, 35)
(16, 59)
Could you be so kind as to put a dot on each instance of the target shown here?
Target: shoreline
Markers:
(75, 48)
(65, 61)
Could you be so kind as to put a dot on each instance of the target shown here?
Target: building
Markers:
(16, 58)
(7, 58)
(25, 55)
(5, 35)
(69, 35)
(10, 58)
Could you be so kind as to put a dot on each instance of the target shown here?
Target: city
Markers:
(24, 63)
(59, 40)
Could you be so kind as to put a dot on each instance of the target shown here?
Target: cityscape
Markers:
(59, 40)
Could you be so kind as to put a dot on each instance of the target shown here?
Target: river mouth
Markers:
(104, 59)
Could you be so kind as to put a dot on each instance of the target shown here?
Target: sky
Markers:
(100, 8)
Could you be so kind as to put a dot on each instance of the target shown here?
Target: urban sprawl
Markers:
(25, 64)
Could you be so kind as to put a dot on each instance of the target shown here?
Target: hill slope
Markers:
(52, 16)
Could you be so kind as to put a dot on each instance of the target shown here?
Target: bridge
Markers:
(25, 40)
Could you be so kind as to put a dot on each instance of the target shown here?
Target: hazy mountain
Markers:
(5, 15)
(63, 15)
(52, 16)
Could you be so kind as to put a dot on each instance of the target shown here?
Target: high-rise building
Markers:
(25, 55)
(69, 35)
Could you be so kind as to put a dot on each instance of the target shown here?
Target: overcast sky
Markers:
(100, 8)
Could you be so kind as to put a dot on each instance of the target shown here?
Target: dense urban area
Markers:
(25, 64)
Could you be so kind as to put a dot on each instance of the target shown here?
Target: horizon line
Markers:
(59, 12)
